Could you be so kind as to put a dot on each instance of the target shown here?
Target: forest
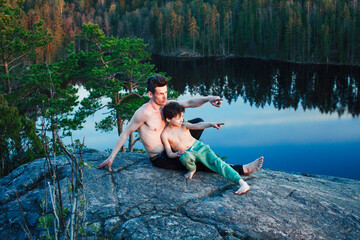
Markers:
(306, 31)
(47, 45)
(39, 104)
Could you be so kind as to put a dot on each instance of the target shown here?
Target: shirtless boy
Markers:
(178, 142)
(150, 122)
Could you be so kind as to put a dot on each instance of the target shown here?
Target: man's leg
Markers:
(196, 133)
(200, 166)
(163, 161)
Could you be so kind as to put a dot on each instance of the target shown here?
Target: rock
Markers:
(138, 201)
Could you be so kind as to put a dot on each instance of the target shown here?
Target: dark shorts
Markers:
(163, 161)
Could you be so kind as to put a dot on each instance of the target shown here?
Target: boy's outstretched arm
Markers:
(168, 149)
(203, 125)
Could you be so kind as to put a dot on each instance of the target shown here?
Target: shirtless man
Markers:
(150, 122)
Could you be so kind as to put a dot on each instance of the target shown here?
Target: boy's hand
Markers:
(180, 152)
(218, 125)
(216, 101)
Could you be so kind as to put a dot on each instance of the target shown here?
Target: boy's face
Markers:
(177, 120)
(160, 95)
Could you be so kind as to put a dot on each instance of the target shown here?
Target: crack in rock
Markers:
(139, 201)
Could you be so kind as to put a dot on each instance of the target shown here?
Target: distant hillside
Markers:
(298, 31)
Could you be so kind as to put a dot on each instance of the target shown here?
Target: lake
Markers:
(301, 118)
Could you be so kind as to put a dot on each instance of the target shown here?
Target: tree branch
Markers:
(14, 66)
(121, 99)
(17, 58)
(26, 228)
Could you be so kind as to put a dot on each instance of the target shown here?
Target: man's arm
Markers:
(168, 149)
(199, 101)
(136, 121)
(202, 125)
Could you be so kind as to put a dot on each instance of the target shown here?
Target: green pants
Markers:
(201, 152)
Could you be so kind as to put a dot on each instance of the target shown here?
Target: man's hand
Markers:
(108, 162)
(218, 125)
(216, 101)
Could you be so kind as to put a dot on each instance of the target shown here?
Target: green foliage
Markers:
(19, 142)
(116, 70)
(108, 150)
(96, 228)
(223, 27)
(16, 42)
(46, 221)
(47, 91)
(84, 164)
(43, 91)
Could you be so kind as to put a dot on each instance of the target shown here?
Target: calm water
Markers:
(300, 118)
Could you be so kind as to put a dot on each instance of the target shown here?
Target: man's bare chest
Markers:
(155, 124)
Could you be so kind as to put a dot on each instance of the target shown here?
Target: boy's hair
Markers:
(172, 109)
(155, 81)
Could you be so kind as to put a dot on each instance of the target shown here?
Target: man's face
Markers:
(160, 95)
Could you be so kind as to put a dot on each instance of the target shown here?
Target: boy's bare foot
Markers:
(253, 166)
(244, 187)
(190, 174)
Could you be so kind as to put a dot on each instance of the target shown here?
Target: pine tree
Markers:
(117, 69)
(325, 42)
(214, 26)
(19, 143)
(16, 42)
(193, 29)
(174, 27)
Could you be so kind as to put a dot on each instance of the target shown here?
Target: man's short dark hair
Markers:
(172, 109)
(155, 81)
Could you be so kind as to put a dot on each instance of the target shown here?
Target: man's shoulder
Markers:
(143, 110)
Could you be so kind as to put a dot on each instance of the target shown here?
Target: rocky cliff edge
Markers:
(138, 201)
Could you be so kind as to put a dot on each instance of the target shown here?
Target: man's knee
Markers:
(196, 120)
(196, 133)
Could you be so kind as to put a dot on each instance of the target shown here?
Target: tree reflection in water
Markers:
(331, 89)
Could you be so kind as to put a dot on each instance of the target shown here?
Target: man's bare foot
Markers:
(253, 166)
(190, 174)
(244, 187)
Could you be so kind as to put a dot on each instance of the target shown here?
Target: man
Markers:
(150, 122)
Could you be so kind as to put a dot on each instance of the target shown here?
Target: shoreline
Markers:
(195, 56)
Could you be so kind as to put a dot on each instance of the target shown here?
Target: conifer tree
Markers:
(17, 42)
(117, 69)
(19, 142)
(193, 30)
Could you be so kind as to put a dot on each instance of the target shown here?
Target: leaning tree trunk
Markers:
(119, 121)
(120, 125)
(7, 77)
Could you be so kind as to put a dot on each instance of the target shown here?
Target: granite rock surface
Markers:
(139, 201)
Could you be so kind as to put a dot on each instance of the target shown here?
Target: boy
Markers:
(178, 142)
